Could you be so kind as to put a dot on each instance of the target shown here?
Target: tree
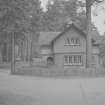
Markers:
(19, 16)
(33, 26)
(89, 3)
(11, 13)
(86, 22)
(58, 11)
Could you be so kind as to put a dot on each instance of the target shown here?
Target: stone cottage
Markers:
(67, 49)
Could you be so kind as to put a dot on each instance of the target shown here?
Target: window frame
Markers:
(72, 41)
(76, 61)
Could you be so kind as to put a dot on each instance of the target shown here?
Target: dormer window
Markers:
(72, 41)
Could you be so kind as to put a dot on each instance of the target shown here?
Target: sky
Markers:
(98, 20)
(44, 2)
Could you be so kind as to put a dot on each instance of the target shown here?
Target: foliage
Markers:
(19, 15)
(58, 12)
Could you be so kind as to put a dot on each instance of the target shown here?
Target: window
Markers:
(72, 41)
(73, 60)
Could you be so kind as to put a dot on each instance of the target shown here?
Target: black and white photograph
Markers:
(52, 52)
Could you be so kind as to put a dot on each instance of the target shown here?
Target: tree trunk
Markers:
(7, 53)
(21, 50)
(25, 49)
(88, 39)
(31, 48)
(1, 58)
(13, 54)
(28, 47)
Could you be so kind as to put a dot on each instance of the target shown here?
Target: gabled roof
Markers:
(68, 27)
(47, 37)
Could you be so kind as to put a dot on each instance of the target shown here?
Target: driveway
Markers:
(23, 90)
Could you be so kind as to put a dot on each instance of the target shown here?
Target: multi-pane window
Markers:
(73, 60)
(75, 41)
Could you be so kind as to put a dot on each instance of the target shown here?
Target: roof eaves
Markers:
(67, 29)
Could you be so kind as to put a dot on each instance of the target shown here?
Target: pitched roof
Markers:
(47, 37)
(69, 26)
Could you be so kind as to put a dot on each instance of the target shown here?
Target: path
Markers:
(21, 90)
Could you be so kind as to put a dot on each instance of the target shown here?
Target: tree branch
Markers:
(90, 2)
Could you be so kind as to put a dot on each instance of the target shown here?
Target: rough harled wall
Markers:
(59, 61)
(59, 44)
(60, 49)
